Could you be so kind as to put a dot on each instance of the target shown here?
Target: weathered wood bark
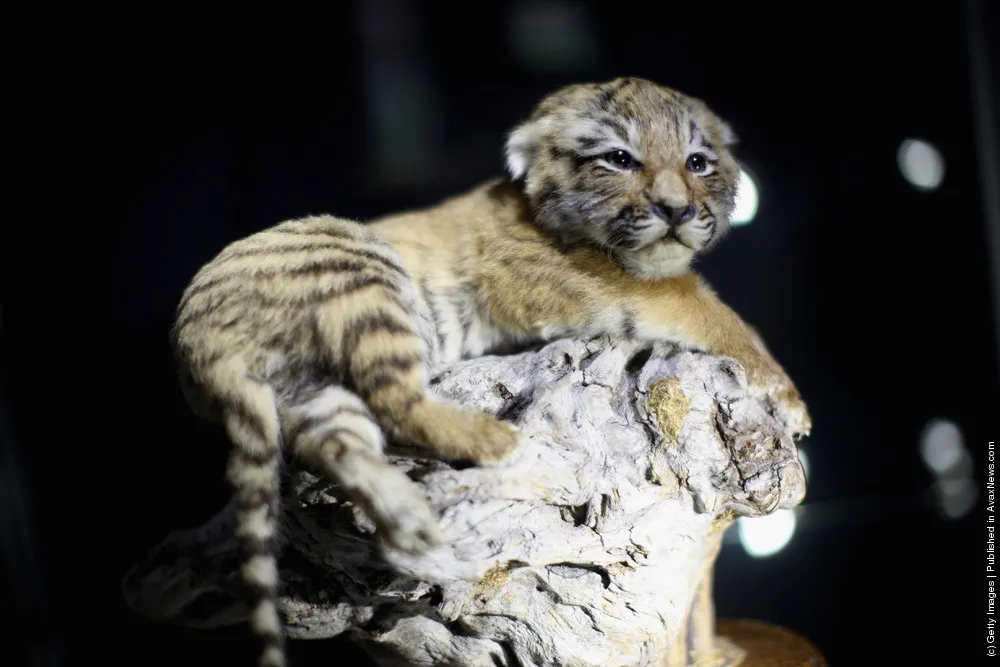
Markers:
(593, 547)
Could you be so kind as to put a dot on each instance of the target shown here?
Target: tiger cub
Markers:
(316, 337)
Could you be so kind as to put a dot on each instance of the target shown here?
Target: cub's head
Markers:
(640, 170)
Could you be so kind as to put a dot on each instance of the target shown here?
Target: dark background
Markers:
(874, 295)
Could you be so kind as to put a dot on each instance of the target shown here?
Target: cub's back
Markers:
(257, 299)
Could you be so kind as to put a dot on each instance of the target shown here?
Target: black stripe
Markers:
(284, 341)
(247, 414)
(193, 315)
(310, 390)
(196, 288)
(294, 228)
(305, 268)
(246, 499)
(315, 420)
(706, 144)
(367, 324)
(335, 436)
(607, 98)
(255, 546)
(259, 459)
(548, 193)
(255, 592)
(358, 283)
(398, 361)
(258, 590)
(316, 268)
(712, 229)
(264, 250)
(623, 228)
(371, 383)
(310, 424)
(629, 325)
(465, 318)
(266, 639)
(615, 126)
(246, 297)
(330, 245)
(381, 260)
(428, 296)
(713, 222)
(558, 153)
(407, 404)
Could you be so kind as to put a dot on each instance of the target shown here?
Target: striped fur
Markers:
(641, 170)
(317, 336)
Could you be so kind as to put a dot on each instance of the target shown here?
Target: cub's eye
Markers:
(621, 159)
(696, 163)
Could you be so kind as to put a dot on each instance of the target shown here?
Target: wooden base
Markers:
(768, 645)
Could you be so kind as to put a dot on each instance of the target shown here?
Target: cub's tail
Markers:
(252, 422)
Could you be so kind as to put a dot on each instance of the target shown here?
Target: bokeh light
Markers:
(767, 535)
(746, 200)
(921, 164)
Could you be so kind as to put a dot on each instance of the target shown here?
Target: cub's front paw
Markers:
(792, 411)
(768, 381)
(780, 393)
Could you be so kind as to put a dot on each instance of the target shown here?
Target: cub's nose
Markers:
(673, 215)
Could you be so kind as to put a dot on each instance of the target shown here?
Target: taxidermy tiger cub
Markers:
(315, 337)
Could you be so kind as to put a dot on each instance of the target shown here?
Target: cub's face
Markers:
(640, 170)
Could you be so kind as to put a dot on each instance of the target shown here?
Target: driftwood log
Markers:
(594, 546)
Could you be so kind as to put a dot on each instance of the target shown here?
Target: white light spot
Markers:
(922, 164)
(767, 535)
(942, 446)
(955, 497)
(746, 200)
(804, 460)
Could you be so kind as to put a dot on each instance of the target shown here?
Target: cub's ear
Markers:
(522, 145)
(717, 126)
(726, 133)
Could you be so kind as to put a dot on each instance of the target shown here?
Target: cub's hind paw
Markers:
(412, 530)
(405, 519)
(395, 503)
(459, 433)
(499, 442)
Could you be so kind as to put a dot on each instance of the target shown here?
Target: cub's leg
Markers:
(383, 360)
(686, 308)
(335, 433)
